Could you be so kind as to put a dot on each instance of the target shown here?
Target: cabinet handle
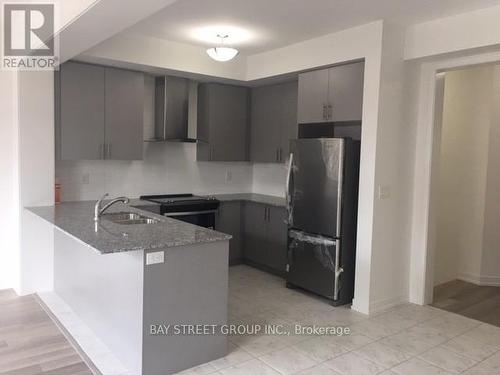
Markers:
(280, 159)
(108, 151)
(330, 111)
(265, 213)
(268, 214)
(277, 155)
(101, 151)
(324, 112)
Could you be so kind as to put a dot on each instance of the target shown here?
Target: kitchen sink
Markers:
(129, 218)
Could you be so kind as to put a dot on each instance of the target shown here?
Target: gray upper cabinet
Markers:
(273, 122)
(345, 93)
(81, 106)
(265, 124)
(289, 128)
(331, 95)
(222, 122)
(124, 106)
(313, 96)
(100, 113)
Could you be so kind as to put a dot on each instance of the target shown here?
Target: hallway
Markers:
(472, 301)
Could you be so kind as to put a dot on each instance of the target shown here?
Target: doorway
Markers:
(466, 193)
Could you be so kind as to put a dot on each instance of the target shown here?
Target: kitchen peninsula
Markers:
(133, 269)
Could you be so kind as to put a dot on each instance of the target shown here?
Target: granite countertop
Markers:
(252, 197)
(77, 220)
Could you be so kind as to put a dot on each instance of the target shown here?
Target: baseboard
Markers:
(386, 304)
(235, 262)
(480, 280)
(263, 268)
(88, 361)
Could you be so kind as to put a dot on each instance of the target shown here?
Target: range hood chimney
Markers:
(175, 112)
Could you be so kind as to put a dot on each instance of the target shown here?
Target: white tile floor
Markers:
(407, 340)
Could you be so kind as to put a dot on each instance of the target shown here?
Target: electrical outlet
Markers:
(155, 258)
(384, 192)
(229, 176)
(85, 178)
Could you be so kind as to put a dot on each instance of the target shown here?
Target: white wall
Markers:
(9, 194)
(391, 222)
(269, 178)
(36, 177)
(461, 32)
(490, 266)
(462, 175)
(163, 54)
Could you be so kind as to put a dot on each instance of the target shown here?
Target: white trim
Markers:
(95, 353)
(386, 304)
(421, 269)
(480, 280)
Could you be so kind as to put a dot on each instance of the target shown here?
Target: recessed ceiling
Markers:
(259, 25)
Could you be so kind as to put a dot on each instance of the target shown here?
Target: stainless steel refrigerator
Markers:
(322, 195)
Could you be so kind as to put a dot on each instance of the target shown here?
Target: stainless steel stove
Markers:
(198, 210)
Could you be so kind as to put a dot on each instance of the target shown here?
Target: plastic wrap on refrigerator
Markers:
(321, 247)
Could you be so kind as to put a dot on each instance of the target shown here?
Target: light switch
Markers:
(229, 176)
(155, 258)
(384, 192)
(85, 178)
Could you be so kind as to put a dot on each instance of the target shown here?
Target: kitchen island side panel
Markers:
(106, 292)
(190, 287)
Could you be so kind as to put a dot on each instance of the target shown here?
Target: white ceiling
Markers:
(261, 25)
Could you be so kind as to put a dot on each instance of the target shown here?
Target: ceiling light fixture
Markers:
(222, 53)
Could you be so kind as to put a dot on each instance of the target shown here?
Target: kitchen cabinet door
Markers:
(265, 124)
(81, 106)
(345, 92)
(255, 233)
(223, 116)
(124, 103)
(228, 220)
(288, 119)
(312, 96)
(277, 239)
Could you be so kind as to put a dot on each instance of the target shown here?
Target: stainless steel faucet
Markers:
(98, 210)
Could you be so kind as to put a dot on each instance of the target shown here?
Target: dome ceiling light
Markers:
(222, 53)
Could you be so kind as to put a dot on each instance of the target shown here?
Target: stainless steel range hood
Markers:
(175, 110)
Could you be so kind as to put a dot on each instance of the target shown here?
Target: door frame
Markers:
(427, 149)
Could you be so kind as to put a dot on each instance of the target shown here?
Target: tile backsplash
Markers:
(167, 168)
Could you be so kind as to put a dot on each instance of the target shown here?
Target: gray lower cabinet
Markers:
(228, 220)
(265, 236)
(100, 112)
(222, 122)
(255, 233)
(273, 122)
(277, 236)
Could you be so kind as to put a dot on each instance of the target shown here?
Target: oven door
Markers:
(201, 218)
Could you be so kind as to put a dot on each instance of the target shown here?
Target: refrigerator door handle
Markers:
(340, 186)
(338, 271)
(288, 196)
